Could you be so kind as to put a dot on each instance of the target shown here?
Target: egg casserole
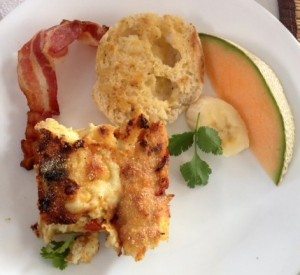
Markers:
(107, 179)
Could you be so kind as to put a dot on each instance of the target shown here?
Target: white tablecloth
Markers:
(8, 5)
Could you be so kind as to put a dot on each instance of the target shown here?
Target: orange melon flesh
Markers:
(237, 80)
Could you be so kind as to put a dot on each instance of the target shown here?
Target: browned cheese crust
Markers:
(54, 186)
(144, 177)
(140, 149)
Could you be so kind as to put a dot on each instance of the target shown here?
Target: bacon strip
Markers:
(37, 76)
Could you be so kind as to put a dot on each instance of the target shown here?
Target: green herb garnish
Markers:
(196, 171)
(57, 252)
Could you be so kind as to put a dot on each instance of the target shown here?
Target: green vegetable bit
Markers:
(180, 143)
(208, 140)
(196, 171)
(57, 252)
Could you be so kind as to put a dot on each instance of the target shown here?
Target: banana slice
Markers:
(220, 115)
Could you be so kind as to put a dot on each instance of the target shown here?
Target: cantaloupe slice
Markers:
(249, 85)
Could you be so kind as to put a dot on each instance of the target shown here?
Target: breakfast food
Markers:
(37, 77)
(150, 64)
(252, 88)
(104, 179)
(220, 115)
(113, 179)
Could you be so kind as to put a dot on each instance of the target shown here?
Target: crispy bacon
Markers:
(37, 77)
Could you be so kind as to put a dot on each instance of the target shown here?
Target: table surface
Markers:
(270, 5)
(6, 5)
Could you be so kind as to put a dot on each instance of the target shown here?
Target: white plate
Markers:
(240, 223)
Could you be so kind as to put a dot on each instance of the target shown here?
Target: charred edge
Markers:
(64, 219)
(45, 204)
(155, 126)
(66, 148)
(117, 134)
(47, 138)
(34, 226)
(105, 28)
(123, 134)
(162, 163)
(35, 229)
(103, 131)
(44, 140)
(163, 185)
(143, 143)
(130, 122)
(127, 171)
(53, 153)
(157, 148)
(114, 219)
(54, 169)
(143, 122)
(71, 187)
(78, 144)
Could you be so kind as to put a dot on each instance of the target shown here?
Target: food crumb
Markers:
(35, 229)
(7, 219)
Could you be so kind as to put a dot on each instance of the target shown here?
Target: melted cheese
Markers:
(97, 196)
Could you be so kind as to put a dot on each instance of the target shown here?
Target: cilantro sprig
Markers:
(197, 171)
(57, 252)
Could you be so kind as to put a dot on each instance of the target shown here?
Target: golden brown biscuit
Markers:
(150, 64)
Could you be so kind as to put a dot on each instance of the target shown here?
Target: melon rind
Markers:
(275, 90)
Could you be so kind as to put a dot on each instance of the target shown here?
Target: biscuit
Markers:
(150, 64)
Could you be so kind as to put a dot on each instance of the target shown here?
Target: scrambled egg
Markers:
(84, 248)
(96, 196)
